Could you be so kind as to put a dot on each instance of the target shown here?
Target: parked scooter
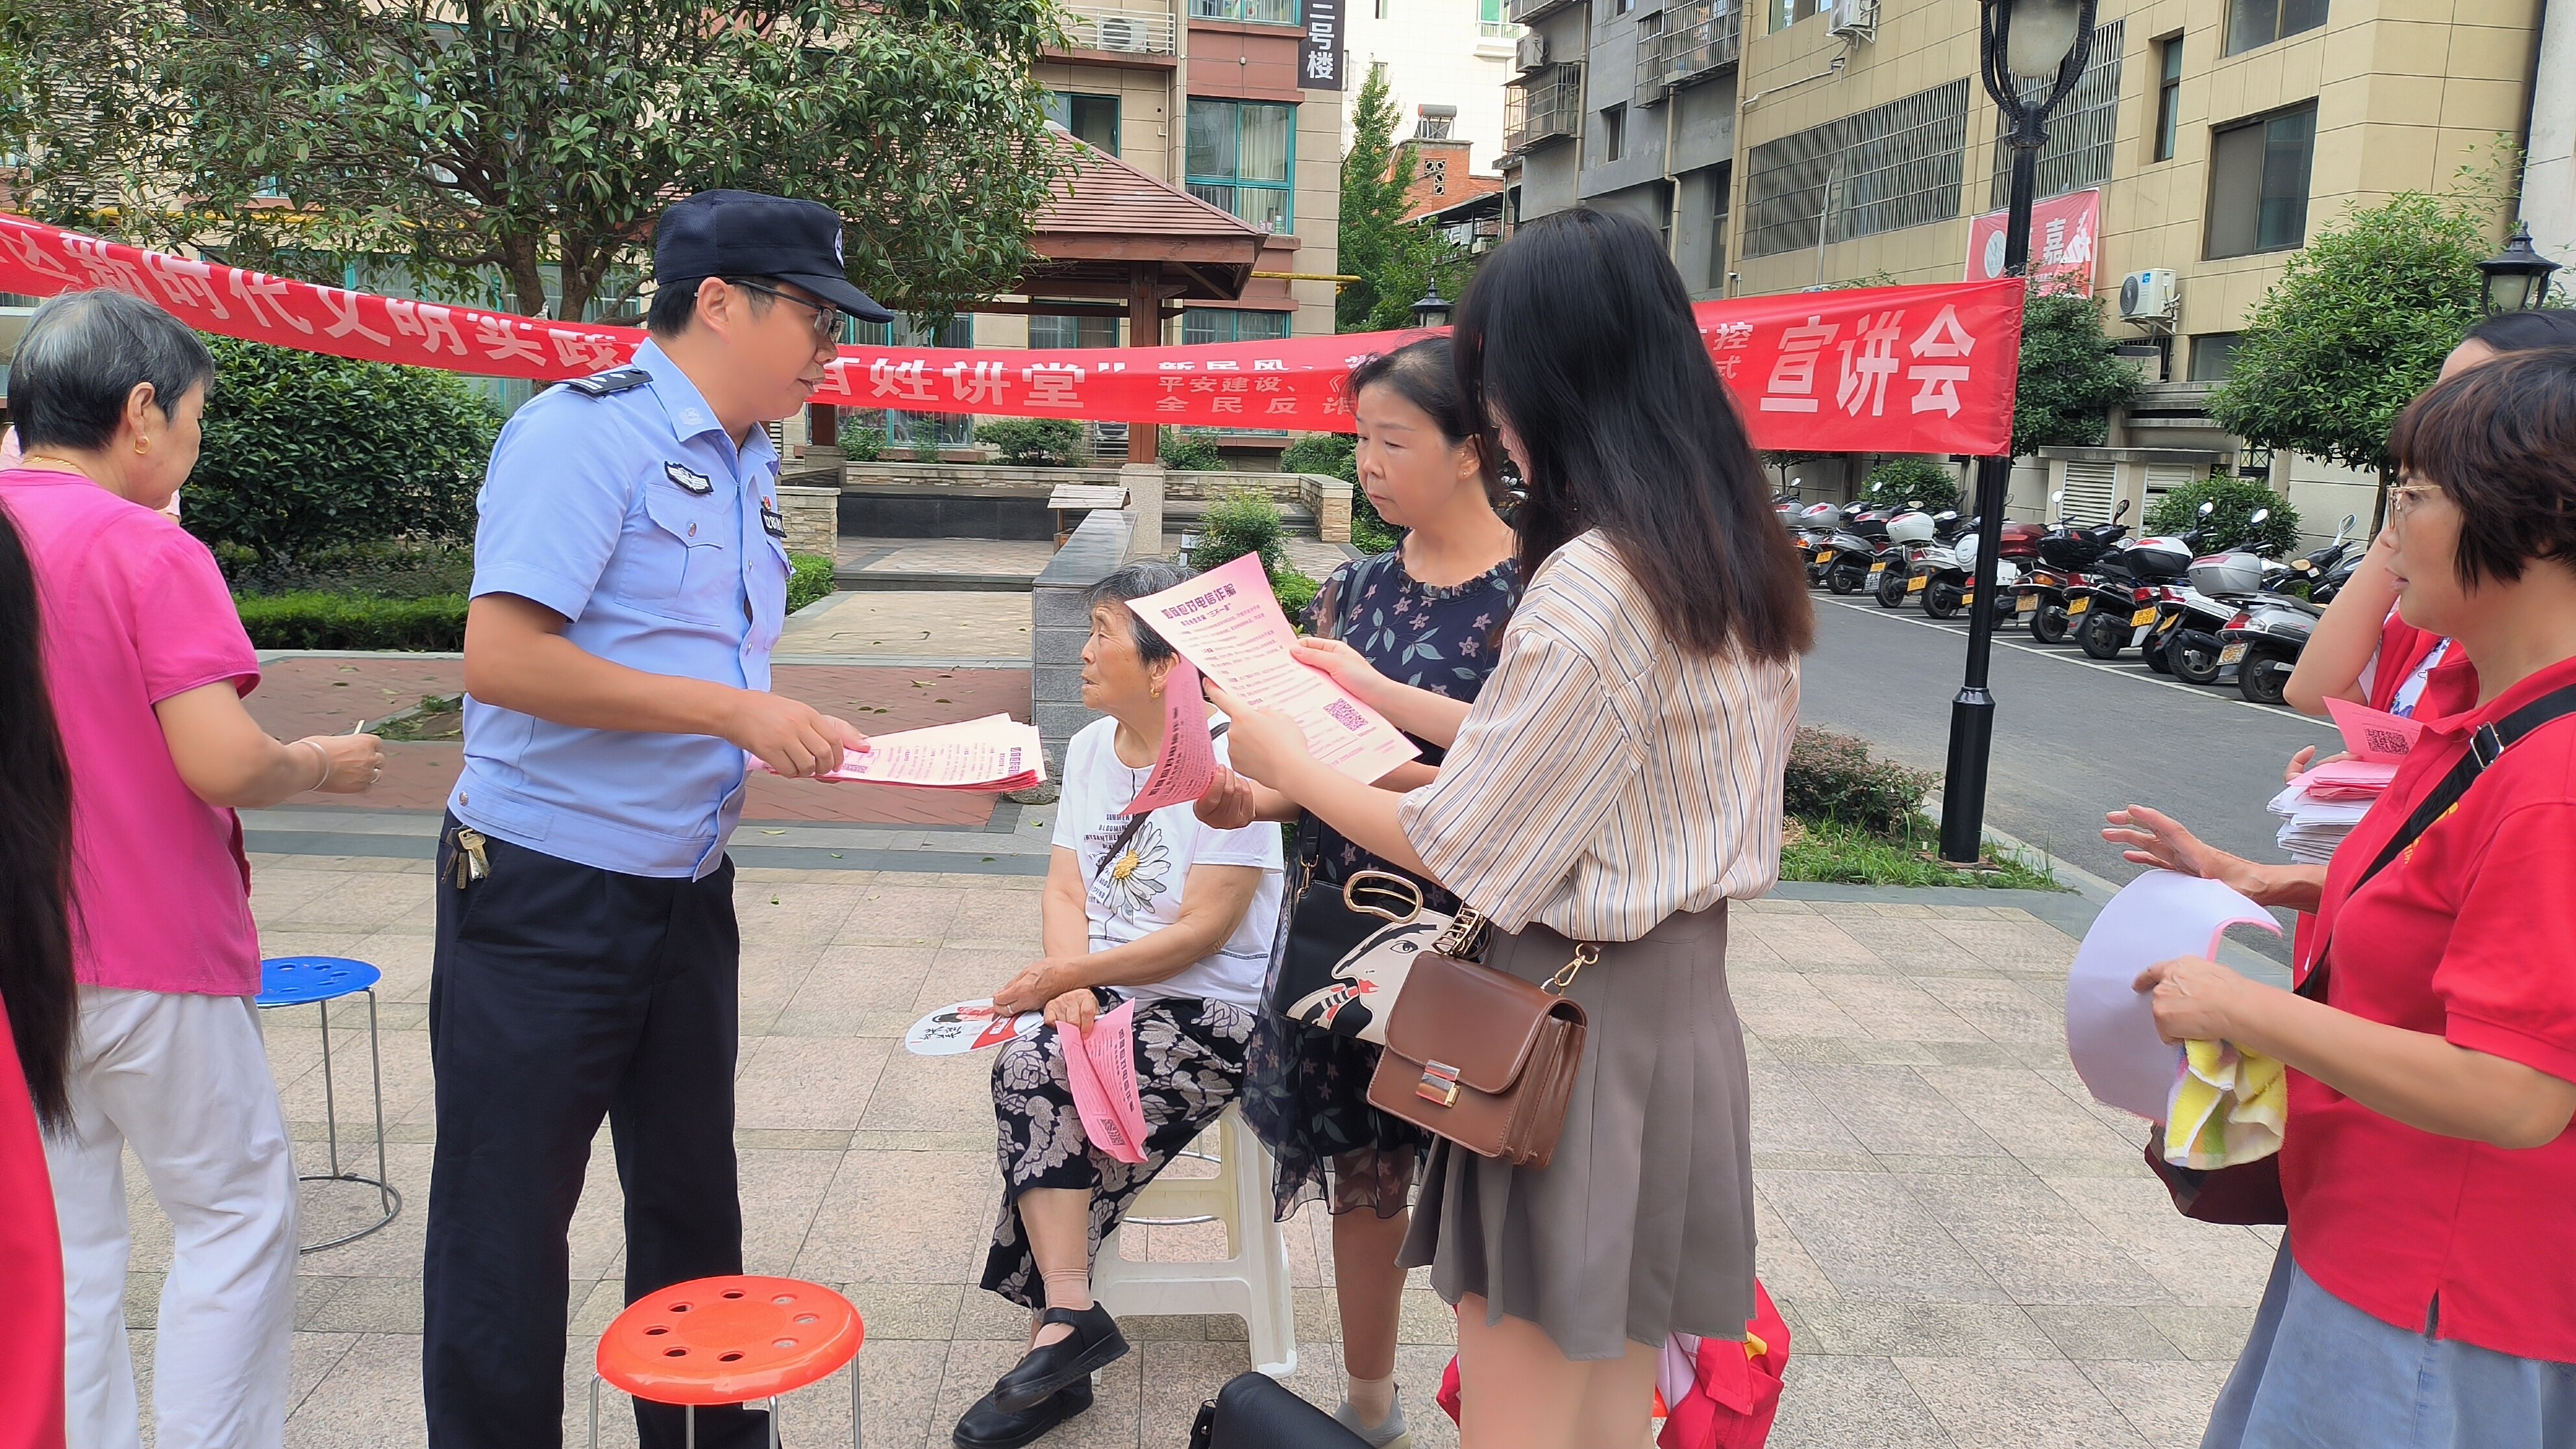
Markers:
(1955, 588)
(1891, 572)
(2118, 608)
(2066, 554)
(2185, 642)
(2264, 640)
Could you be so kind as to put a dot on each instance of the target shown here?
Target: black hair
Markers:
(1579, 334)
(2500, 439)
(1425, 374)
(2527, 331)
(84, 354)
(36, 984)
(1135, 581)
(675, 304)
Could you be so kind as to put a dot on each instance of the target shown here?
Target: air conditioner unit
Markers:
(1856, 19)
(1531, 53)
(1120, 33)
(2150, 296)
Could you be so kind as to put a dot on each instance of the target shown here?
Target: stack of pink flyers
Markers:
(991, 755)
(2322, 806)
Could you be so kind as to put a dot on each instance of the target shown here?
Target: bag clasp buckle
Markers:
(1439, 1084)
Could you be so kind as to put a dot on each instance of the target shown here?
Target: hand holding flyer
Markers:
(1227, 622)
(992, 754)
(1186, 764)
(1100, 1070)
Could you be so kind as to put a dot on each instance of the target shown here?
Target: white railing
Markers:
(1102, 27)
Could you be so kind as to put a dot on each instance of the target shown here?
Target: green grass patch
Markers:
(1832, 851)
(438, 717)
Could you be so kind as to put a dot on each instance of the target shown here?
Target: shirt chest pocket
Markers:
(674, 560)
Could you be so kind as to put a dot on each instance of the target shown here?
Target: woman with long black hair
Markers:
(1616, 782)
(41, 1000)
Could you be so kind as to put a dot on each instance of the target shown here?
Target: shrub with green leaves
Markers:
(1335, 455)
(1239, 523)
(1191, 451)
(1920, 481)
(1831, 777)
(304, 452)
(809, 577)
(862, 445)
(371, 570)
(1033, 442)
(311, 620)
(1294, 591)
(2238, 499)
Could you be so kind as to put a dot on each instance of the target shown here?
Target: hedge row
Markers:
(313, 619)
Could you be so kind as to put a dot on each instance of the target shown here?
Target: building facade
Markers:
(1445, 63)
(2205, 142)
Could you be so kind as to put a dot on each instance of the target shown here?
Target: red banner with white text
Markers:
(1869, 370)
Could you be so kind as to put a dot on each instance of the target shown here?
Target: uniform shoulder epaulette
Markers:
(624, 379)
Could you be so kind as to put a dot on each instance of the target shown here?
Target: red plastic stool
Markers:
(718, 1341)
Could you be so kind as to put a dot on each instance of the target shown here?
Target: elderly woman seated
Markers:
(1156, 908)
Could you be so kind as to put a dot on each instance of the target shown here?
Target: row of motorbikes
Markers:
(2203, 609)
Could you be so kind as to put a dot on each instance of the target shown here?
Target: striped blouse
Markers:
(1605, 777)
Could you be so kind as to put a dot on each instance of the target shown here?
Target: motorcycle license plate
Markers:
(1915, 585)
(2143, 617)
(2232, 654)
(1876, 569)
(2026, 604)
(1824, 555)
(2077, 606)
(1968, 600)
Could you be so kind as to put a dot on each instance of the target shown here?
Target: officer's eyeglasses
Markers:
(827, 318)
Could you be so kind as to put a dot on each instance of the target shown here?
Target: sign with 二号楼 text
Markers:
(1319, 58)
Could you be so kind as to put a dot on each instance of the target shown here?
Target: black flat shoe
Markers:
(988, 1426)
(1094, 1344)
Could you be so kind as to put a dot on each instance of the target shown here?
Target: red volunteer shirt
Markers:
(2450, 688)
(2471, 936)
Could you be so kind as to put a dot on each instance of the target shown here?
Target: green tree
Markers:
(519, 137)
(1394, 259)
(2070, 380)
(1917, 481)
(2234, 502)
(2356, 327)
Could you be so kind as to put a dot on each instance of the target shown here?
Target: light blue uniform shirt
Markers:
(634, 516)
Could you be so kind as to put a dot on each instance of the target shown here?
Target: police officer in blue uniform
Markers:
(630, 578)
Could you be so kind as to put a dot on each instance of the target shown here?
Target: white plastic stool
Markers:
(1251, 1285)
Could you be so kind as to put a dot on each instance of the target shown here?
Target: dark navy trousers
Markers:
(563, 994)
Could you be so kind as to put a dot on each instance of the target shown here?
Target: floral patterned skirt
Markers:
(1306, 1093)
(1189, 1062)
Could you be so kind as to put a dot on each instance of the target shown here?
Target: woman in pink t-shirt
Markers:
(146, 664)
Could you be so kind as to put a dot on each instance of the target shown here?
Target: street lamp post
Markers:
(2038, 39)
(2517, 279)
(1431, 310)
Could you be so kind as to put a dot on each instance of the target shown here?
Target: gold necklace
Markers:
(67, 464)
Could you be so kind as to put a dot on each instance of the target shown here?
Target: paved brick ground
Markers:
(305, 696)
(1969, 1251)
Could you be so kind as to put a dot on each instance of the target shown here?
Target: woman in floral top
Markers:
(1413, 633)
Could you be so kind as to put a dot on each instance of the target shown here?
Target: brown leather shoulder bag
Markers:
(1479, 1056)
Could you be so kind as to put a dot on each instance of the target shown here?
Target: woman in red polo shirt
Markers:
(2426, 1292)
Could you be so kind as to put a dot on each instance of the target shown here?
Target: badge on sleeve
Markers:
(773, 521)
(697, 483)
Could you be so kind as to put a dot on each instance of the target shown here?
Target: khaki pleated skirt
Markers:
(1642, 1223)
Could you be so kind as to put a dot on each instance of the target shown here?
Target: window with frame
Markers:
(908, 430)
(1785, 13)
(2213, 356)
(2168, 95)
(2260, 22)
(1090, 118)
(1053, 332)
(2080, 131)
(1614, 132)
(1226, 324)
(1242, 155)
(1721, 180)
(1490, 23)
(2258, 183)
(1250, 12)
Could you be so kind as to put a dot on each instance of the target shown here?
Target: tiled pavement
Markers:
(1969, 1252)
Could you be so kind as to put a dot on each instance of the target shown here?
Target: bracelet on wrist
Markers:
(325, 757)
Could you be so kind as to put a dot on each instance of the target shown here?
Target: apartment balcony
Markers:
(1120, 31)
(1524, 11)
(1696, 40)
(1545, 105)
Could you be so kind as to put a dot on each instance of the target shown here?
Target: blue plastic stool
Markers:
(317, 981)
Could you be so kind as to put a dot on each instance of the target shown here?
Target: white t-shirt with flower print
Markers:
(1140, 891)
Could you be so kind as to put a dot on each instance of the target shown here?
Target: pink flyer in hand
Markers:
(1100, 1067)
(1187, 763)
(1227, 622)
(2372, 735)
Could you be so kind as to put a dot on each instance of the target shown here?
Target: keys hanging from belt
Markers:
(471, 865)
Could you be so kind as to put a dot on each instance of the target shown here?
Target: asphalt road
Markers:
(2074, 737)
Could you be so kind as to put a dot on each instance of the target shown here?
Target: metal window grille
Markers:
(1883, 169)
(2080, 134)
(1545, 105)
(1687, 42)
(1254, 12)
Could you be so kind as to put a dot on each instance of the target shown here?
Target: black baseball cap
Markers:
(746, 234)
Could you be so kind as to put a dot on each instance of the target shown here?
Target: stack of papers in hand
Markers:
(2311, 827)
(2322, 806)
(991, 755)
